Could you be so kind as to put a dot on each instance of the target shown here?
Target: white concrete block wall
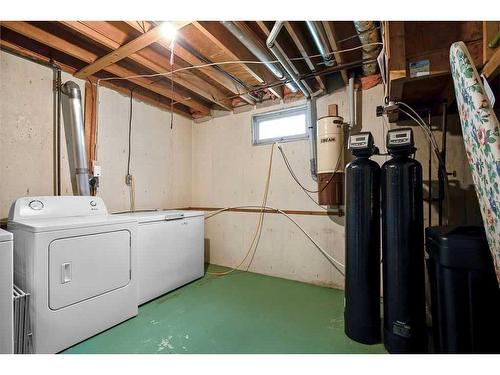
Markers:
(207, 164)
(26, 130)
(161, 157)
(228, 170)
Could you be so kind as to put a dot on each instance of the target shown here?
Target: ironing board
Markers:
(480, 130)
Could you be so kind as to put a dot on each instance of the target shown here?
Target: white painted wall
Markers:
(161, 158)
(204, 164)
(26, 130)
(228, 170)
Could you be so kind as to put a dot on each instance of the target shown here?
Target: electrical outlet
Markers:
(97, 170)
(128, 179)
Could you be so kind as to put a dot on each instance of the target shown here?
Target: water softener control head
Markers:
(361, 144)
(400, 141)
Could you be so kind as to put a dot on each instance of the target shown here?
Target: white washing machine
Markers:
(77, 262)
(170, 250)
(6, 296)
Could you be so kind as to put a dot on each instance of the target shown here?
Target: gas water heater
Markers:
(403, 246)
(330, 150)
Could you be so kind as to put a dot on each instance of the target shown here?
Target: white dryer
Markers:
(170, 250)
(77, 262)
(6, 296)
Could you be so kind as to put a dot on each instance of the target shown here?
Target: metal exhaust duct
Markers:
(367, 33)
(321, 41)
(351, 93)
(313, 132)
(285, 62)
(257, 51)
(71, 102)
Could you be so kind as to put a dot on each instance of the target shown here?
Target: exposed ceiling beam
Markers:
(219, 36)
(24, 52)
(66, 47)
(121, 52)
(332, 38)
(304, 49)
(221, 78)
(193, 82)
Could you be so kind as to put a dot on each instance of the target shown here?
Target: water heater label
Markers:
(328, 139)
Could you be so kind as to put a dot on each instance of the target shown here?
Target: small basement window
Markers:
(285, 125)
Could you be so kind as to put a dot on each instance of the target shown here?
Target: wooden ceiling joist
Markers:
(236, 52)
(179, 50)
(332, 39)
(302, 45)
(71, 49)
(193, 83)
(24, 52)
(121, 52)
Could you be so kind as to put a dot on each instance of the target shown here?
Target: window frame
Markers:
(277, 114)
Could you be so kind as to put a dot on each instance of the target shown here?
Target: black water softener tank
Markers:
(362, 278)
(403, 247)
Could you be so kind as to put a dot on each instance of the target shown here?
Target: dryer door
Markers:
(84, 267)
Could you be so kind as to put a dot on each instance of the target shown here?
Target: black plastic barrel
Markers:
(362, 277)
(465, 297)
(403, 255)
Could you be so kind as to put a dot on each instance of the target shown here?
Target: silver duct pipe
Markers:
(352, 103)
(71, 102)
(321, 41)
(367, 33)
(285, 62)
(257, 51)
(312, 132)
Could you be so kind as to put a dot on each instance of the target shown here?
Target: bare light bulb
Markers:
(168, 30)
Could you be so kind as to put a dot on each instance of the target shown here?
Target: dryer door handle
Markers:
(65, 273)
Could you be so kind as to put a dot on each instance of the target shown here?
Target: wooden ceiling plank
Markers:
(194, 83)
(191, 82)
(490, 30)
(121, 52)
(492, 67)
(396, 51)
(64, 46)
(145, 26)
(219, 77)
(332, 39)
(222, 79)
(230, 51)
(301, 43)
(27, 53)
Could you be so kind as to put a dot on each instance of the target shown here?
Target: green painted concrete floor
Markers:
(242, 312)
